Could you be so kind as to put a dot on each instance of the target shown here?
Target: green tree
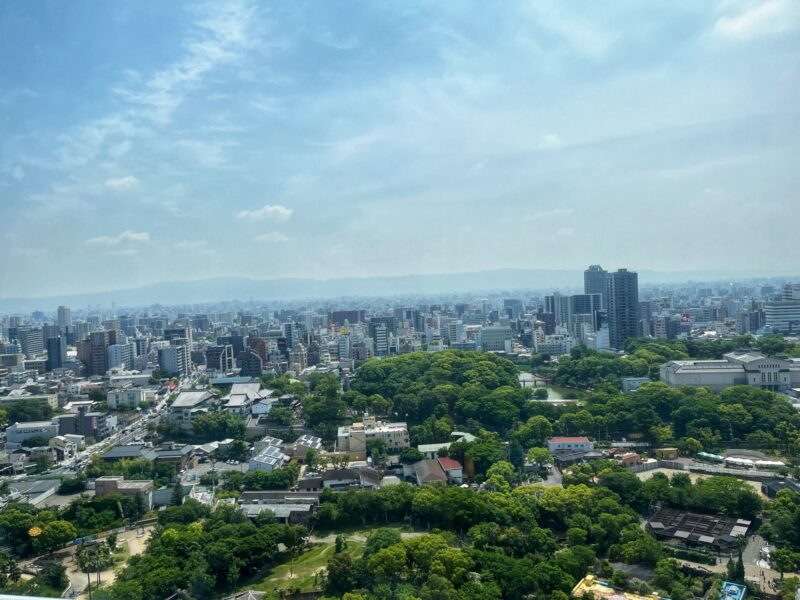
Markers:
(341, 573)
(783, 559)
(56, 534)
(540, 457)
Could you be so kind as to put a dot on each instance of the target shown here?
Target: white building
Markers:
(20, 432)
(188, 405)
(736, 368)
(554, 345)
(354, 438)
(121, 355)
(173, 360)
(269, 459)
(496, 338)
(784, 316)
(569, 444)
(125, 398)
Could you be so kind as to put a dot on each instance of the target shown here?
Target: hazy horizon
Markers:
(148, 141)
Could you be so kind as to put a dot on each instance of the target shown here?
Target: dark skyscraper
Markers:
(623, 307)
(56, 352)
(595, 282)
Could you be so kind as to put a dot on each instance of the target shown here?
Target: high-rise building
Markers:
(121, 354)
(64, 317)
(31, 340)
(56, 352)
(173, 360)
(559, 306)
(782, 316)
(251, 364)
(380, 337)
(220, 358)
(595, 282)
(622, 294)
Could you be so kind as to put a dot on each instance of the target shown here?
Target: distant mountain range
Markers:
(239, 288)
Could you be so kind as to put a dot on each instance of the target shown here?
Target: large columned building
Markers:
(735, 368)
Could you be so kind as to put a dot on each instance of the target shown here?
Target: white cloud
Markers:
(565, 231)
(17, 172)
(220, 38)
(548, 214)
(125, 236)
(124, 252)
(195, 246)
(271, 212)
(121, 149)
(550, 141)
(272, 236)
(122, 183)
(766, 18)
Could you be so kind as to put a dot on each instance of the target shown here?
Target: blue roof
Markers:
(231, 380)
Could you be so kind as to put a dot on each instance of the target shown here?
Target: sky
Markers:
(145, 141)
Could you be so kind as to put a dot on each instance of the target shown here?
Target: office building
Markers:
(595, 282)
(496, 338)
(31, 341)
(56, 352)
(622, 295)
(251, 364)
(783, 316)
(64, 317)
(380, 336)
(173, 360)
(220, 358)
(121, 355)
(93, 352)
(559, 306)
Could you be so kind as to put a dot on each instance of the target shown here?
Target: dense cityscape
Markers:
(306, 419)
(400, 300)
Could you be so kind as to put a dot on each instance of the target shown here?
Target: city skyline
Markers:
(146, 142)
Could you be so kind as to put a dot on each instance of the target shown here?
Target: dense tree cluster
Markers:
(435, 392)
(201, 552)
(586, 369)
(509, 537)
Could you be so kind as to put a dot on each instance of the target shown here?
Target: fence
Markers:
(658, 464)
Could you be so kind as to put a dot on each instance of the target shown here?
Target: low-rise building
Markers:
(126, 398)
(188, 405)
(269, 459)
(116, 484)
(305, 443)
(569, 444)
(354, 477)
(50, 400)
(18, 433)
(735, 368)
(354, 438)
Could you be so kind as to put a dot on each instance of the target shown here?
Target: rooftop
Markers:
(191, 399)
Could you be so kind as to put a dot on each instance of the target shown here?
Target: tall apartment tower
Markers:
(595, 282)
(64, 317)
(622, 293)
(56, 352)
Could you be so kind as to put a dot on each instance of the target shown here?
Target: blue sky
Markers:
(143, 141)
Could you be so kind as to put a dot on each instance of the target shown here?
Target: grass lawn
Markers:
(304, 568)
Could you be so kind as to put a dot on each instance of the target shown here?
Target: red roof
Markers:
(448, 464)
(568, 439)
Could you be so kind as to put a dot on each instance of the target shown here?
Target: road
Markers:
(130, 434)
